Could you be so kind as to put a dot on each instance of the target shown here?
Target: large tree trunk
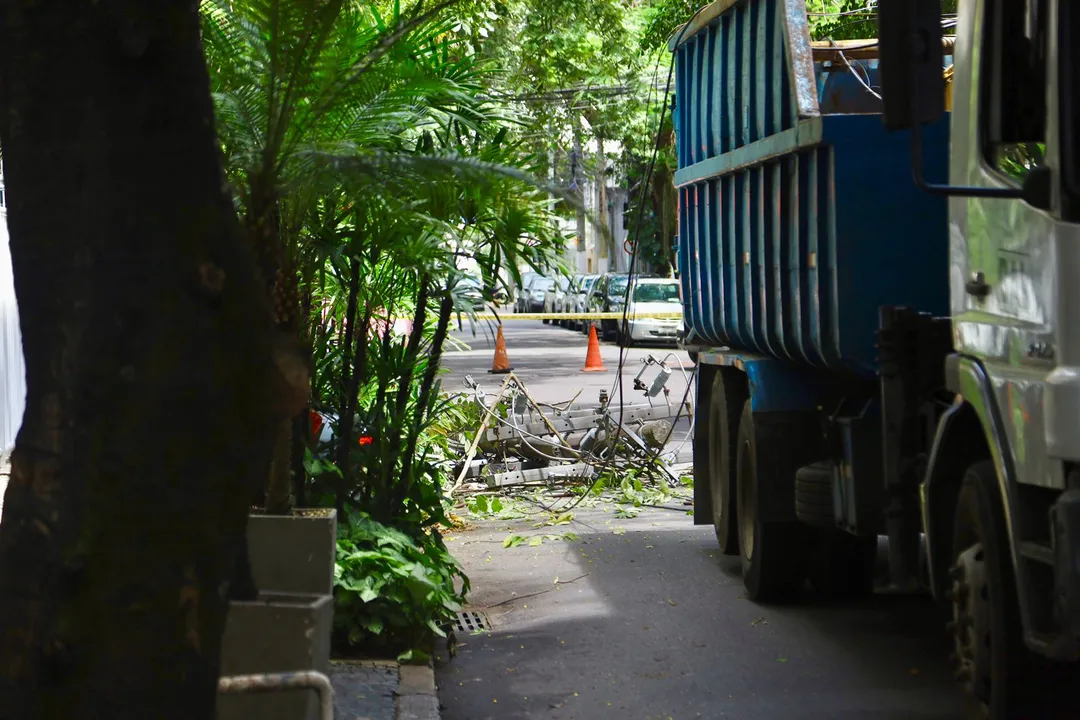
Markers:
(265, 233)
(150, 366)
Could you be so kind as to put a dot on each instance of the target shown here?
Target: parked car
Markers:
(578, 298)
(555, 294)
(532, 298)
(470, 290)
(565, 302)
(608, 295)
(652, 295)
(520, 290)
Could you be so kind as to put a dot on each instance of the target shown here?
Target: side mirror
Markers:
(911, 56)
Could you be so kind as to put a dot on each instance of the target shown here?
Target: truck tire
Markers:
(727, 396)
(772, 552)
(989, 650)
(814, 495)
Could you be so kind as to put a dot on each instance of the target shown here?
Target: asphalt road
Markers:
(644, 618)
(549, 360)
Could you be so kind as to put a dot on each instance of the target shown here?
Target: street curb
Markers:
(417, 698)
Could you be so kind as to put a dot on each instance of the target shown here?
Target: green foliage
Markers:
(369, 160)
(1018, 159)
(513, 541)
(483, 505)
(663, 19)
(841, 19)
(393, 589)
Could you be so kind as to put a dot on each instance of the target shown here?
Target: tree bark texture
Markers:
(349, 387)
(605, 241)
(664, 197)
(154, 375)
(577, 177)
(264, 227)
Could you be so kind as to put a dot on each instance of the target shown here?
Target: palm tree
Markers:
(297, 82)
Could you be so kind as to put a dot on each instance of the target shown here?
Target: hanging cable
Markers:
(608, 462)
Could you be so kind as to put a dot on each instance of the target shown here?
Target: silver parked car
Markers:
(577, 299)
(555, 294)
(520, 292)
(532, 298)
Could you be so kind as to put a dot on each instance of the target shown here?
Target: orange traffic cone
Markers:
(501, 364)
(593, 361)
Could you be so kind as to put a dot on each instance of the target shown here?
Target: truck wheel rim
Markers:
(747, 499)
(970, 626)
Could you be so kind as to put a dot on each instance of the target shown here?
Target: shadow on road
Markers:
(655, 624)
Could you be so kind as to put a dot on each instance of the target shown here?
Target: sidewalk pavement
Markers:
(383, 690)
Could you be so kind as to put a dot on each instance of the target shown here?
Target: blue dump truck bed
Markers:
(798, 214)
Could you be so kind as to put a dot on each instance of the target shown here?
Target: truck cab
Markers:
(1014, 258)
(887, 324)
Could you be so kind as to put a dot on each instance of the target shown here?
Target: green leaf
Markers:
(512, 541)
(413, 657)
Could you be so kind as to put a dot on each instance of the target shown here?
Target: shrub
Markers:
(393, 591)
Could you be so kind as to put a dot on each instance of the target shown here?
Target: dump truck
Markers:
(879, 251)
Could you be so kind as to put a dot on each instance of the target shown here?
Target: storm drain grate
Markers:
(470, 621)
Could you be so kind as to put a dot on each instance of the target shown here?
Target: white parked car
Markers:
(653, 295)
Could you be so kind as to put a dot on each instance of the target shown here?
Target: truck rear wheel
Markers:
(727, 396)
(988, 647)
(771, 551)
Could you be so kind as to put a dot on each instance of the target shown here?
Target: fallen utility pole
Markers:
(521, 442)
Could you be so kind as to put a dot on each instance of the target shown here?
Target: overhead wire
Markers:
(619, 384)
(947, 22)
(608, 461)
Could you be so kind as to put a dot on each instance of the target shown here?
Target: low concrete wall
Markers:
(280, 632)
